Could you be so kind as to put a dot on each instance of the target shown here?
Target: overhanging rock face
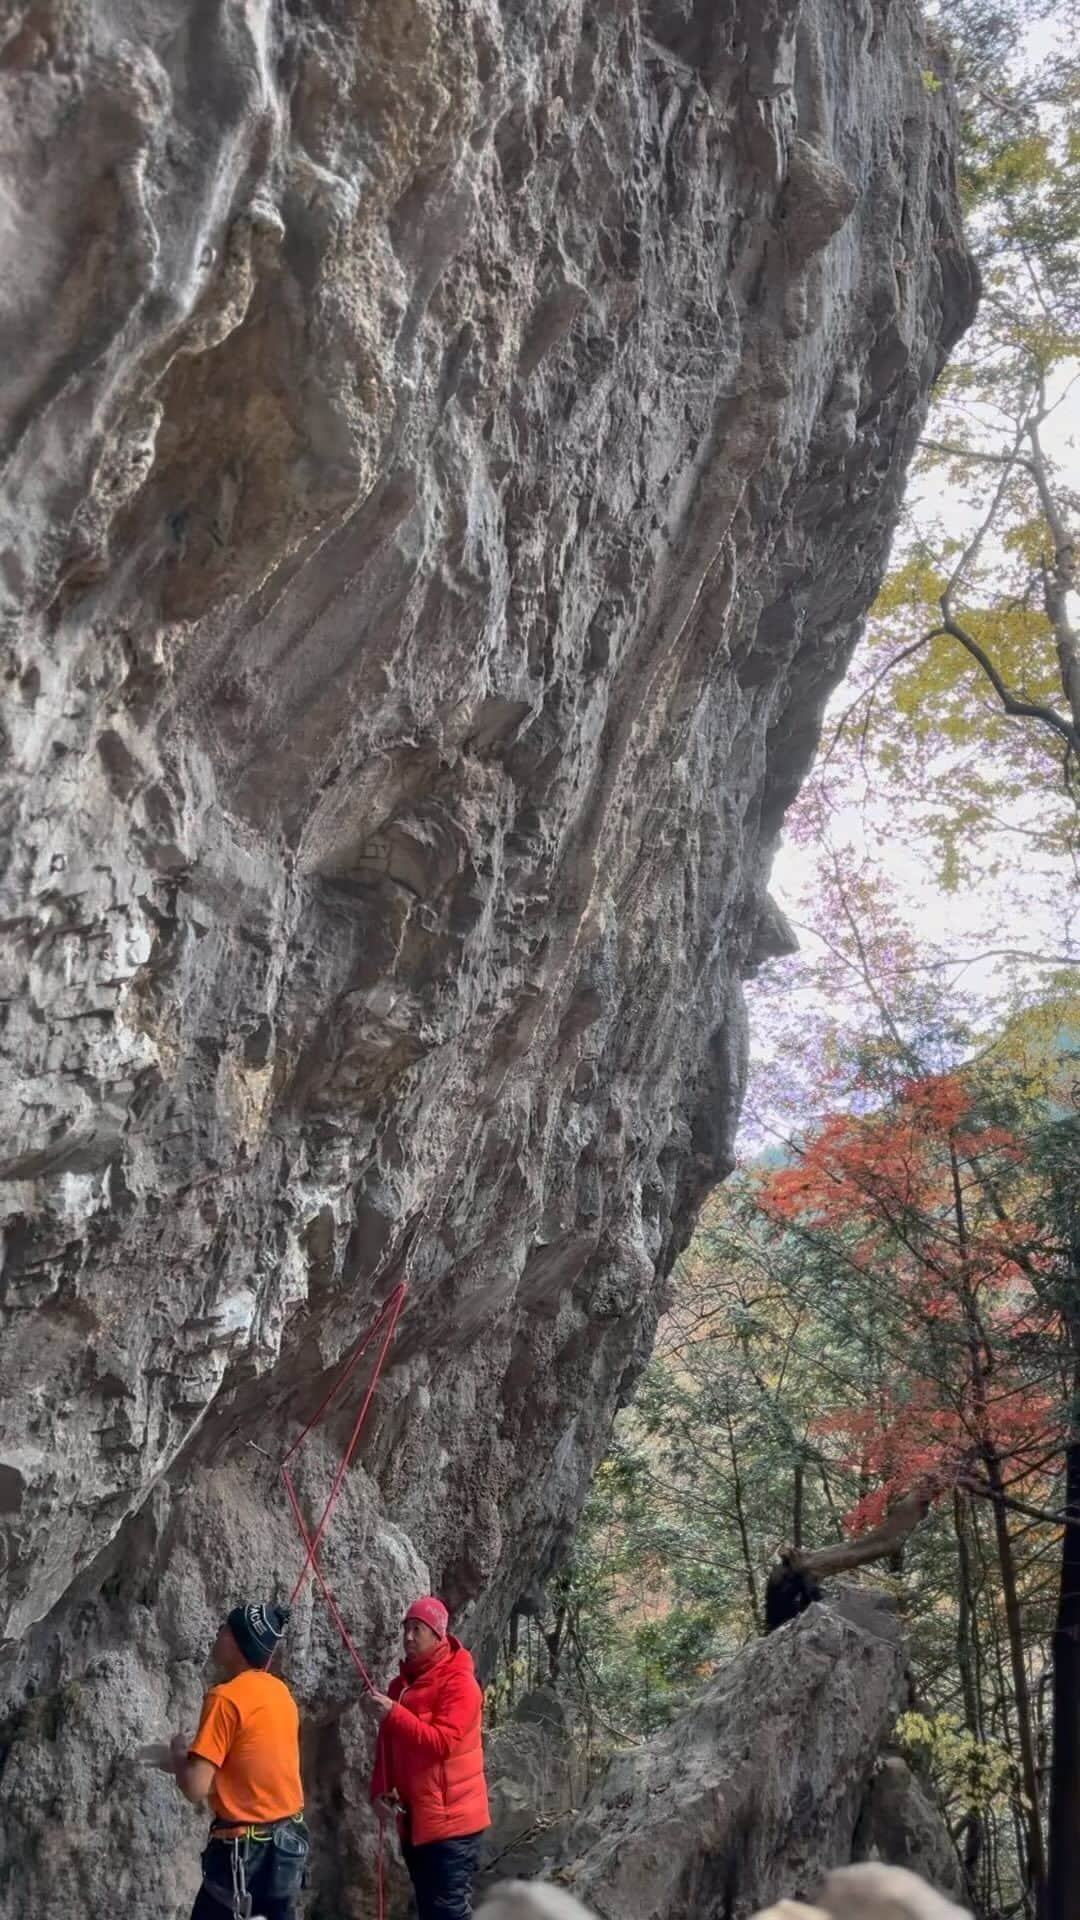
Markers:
(448, 450)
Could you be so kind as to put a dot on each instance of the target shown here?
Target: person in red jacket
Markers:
(429, 1762)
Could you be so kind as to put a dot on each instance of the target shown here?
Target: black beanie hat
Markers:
(258, 1631)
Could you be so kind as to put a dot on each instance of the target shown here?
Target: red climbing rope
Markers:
(386, 1322)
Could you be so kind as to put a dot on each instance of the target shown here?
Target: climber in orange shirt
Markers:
(245, 1761)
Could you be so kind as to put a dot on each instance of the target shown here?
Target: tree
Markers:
(967, 699)
(931, 1197)
(868, 1354)
(1060, 1155)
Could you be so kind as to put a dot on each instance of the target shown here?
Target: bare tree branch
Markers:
(845, 1555)
(1059, 579)
(976, 454)
(1013, 703)
(975, 544)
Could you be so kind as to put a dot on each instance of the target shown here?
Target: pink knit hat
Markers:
(432, 1613)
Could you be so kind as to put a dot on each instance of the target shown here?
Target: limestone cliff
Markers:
(448, 448)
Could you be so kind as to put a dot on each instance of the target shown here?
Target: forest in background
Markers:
(873, 1341)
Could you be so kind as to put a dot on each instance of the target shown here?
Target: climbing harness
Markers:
(385, 1323)
(234, 1896)
(284, 1843)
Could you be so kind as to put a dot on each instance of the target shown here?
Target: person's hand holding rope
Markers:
(377, 1704)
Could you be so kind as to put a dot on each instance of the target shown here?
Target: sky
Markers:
(1017, 898)
(1032, 904)
(932, 911)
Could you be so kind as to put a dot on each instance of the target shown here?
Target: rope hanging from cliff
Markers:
(385, 1322)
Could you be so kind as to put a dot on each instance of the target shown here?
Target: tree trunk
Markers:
(1063, 1884)
(744, 1535)
(513, 1637)
(554, 1644)
(1015, 1633)
(995, 1715)
(876, 1545)
(792, 1583)
(971, 1851)
(980, 1360)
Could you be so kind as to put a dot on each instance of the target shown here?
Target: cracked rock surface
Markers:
(447, 448)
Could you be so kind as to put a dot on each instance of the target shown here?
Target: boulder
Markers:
(535, 1781)
(753, 1795)
(901, 1826)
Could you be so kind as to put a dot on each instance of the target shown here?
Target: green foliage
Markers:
(804, 1369)
(927, 722)
(969, 1775)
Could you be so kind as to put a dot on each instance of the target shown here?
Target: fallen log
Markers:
(793, 1584)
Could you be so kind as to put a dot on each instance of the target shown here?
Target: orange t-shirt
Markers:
(250, 1732)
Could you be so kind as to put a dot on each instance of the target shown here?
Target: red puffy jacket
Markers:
(430, 1751)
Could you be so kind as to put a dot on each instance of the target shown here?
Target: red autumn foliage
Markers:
(913, 1200)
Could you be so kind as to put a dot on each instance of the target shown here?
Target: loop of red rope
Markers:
(386, 1321)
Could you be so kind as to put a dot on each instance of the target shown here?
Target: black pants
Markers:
(442, 1876)
(258, 1872)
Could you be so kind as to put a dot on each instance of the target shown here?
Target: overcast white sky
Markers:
(1024, 906)
(931, 911)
